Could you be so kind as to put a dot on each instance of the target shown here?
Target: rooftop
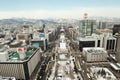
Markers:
(101, 73)
(14, 56)
(90, 38)
(94, 50)
(7, 78)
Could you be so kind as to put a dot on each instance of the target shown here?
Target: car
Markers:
(59, 76)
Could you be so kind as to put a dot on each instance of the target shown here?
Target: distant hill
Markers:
(23, 21)
(16, 21)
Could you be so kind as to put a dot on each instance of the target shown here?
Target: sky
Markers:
(38, 9)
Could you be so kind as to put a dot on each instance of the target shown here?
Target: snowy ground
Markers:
(109, 74)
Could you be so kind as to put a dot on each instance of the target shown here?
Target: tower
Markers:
(87, 26)
(85, 16)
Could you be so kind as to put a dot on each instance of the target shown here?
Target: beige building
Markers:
(118, 49)
(23, 36)
(95, 54)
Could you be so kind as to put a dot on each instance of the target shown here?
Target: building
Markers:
(109, 43)
(118, 49)
(116, 66)
(39, 43)
(3, 55)
(87, 27)
(103, 39)
(39, 40)
(116, 29)
(71, 30)
(95, 54)
(20, 64)
(52, 34)
(83, 42)
(7, 78)
(23, 36)
(75, 33)
(101, 24)
(27, 29)
(91, 41)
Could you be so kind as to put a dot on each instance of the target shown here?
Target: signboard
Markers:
(21, 52)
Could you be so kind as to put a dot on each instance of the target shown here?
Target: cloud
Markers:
(73, 13)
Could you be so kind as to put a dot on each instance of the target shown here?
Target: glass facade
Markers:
(87, 27)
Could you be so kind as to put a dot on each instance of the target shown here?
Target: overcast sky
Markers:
(58, 8)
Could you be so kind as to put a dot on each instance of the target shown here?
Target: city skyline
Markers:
(58, 9)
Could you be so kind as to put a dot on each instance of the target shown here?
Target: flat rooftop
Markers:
(28, 53)
(15, 57)
(94, 50)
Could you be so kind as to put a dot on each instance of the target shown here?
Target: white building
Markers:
(3, 55)
(109, 42)
(95, 54)
(104, 40)
(91, 41)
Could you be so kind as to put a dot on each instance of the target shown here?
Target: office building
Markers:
(91, 41)
(20, 64)
(101, 25)
(87, 27)
(110, 43)
(103, 39)
(118, 49)
(39, 40)
(95, 54)
(116, 29)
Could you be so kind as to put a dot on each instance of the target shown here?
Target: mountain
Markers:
(24, 21)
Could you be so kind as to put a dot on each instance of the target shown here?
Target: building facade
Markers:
(118, 49)
(95, 54)
(21, 69)
(87, 27)
(103, 40)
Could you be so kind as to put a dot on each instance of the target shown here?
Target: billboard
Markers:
(22, 52)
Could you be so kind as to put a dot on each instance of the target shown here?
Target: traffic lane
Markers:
(84, 69)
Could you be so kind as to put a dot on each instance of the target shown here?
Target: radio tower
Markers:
(86, 23)
(85, 16)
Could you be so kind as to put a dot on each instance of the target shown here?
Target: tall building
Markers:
(101, 25)
(118, 49)
(87, 27)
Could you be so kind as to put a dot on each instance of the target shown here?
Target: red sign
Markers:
(20, 50)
